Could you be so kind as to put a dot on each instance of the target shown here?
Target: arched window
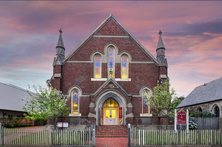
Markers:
(124, 67)
(111, 61)
(199, 109)
(97, 67)
(216, 111)
(75, 101)
(146, 96)
(110, 103)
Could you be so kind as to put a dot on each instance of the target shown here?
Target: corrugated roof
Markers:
(208, 92)
(11, 97)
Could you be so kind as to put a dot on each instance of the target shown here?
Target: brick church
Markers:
(109, 76)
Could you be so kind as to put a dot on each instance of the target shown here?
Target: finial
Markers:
(60, 31)
(111, 14)
(160, 32)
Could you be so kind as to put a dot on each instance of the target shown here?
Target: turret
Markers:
(60, 51)
(160, 51)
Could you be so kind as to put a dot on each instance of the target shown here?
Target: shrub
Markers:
(40, 122)
(192, 125)
(201, 114)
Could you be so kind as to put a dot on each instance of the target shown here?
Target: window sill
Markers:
(145, 115)
(75, 114)
(104, 79)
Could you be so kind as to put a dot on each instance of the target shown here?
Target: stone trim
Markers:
(129, 105)
(91, 115)
(163, 77)
(122, 36)
(129, 115)
(57, 75)
(77, 115)
(104, 79)
(92, 105)
(145, 114)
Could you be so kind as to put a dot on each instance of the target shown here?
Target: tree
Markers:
(164, 100)
(45, 104)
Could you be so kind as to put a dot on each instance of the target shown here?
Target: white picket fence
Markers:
(47, 137)
(171, 137)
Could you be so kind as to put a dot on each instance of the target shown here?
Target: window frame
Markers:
(127, 66)
(108, 67)
(148, 106)
(94, 68)
(72, 113)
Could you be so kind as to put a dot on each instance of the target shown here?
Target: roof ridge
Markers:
(14, 86)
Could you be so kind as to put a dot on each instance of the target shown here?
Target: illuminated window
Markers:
(75, 101)
(97, 66)
(111, 61)
(145, 96)
(124, 67)
(110, 103)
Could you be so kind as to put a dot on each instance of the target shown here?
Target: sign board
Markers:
(181, 117)
(62, 124)
(59, 124)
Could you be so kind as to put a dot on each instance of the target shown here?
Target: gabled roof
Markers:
(208, 92)
(11, 97)
(123, 28)
(111, 80)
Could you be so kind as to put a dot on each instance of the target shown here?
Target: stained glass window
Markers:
(110, 103)
(111, 61)
(124, 67)
(75, 102)
(97, 66)
(146, 95)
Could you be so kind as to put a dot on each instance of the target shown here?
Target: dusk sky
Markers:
(192, 35)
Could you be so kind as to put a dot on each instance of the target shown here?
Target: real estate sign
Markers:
(181, 117)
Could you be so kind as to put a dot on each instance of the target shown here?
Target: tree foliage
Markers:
(164, 100)
(45, 104)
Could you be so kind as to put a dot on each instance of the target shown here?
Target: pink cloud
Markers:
(48, 56)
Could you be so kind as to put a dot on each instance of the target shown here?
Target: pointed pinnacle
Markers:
(160, 32)
(60, 31)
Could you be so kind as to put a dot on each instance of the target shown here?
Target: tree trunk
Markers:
(54, 123)
(167, 122)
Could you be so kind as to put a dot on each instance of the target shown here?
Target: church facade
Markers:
(109, 76)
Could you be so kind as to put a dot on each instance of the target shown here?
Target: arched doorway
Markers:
(100, 108)
(110, 112)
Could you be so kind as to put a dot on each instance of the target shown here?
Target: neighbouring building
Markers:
(11, 100)
(109, 76)
(205, 98)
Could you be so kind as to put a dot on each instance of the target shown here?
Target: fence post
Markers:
(2, 135)
(179, 134)
(93, 135)
(128, 135)
(52, 137)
